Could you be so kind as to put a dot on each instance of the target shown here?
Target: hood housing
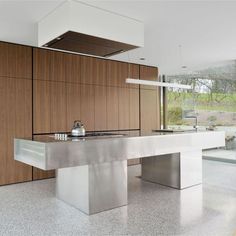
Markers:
(81, 28)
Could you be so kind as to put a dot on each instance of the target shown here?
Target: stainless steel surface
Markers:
(93, 188)
(177, 170)
(173, 130)
(51, 154)
(92, 172)
(78, 129)
(163, 169)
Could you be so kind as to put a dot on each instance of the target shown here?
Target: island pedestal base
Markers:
(93, 188)
(177, 170)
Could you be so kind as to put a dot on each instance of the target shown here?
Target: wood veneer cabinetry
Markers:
(93, 71)
(149, 102)
(100, 110)
(15, 109)
(112, 108)
(49, 105)
(73, 103)
(148, 73)
(56, 66)
(15, 61)
(15, 121)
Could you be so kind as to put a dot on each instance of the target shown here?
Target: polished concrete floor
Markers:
(208, 209)
(220, 155)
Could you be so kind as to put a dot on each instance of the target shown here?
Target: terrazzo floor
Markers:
(208, 209)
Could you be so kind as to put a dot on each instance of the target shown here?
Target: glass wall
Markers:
(211, 105)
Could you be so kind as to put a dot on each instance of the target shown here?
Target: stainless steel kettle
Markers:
(78, 129)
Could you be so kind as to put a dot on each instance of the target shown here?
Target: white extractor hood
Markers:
(79, 27)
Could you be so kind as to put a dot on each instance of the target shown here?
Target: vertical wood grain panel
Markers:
(112, 108)
(41, 106)
(42, 63)
(148, 73)
(16, 121)
(58, 110)
(150, 118)
(3, 134)
(100, 107)
(3, 59)
(40, 174)
(93, 71)
(23, 110)
(133, 73)
(72, 68)
(19, 61)
(124, 108)
(58, 66)
(149, 101)
(117, 72)
(15, 61)
(73, 104)
(134, 109)
(87, 106)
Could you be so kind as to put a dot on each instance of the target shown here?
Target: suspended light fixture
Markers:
(157, 83)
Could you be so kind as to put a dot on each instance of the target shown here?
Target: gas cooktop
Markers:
(95, 134)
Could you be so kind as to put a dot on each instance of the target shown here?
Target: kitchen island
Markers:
(91, 172)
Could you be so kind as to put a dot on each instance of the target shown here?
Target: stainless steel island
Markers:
(91, 173)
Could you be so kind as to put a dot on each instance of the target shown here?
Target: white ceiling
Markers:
(205, 29)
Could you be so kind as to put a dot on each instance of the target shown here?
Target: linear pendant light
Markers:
(156, 83)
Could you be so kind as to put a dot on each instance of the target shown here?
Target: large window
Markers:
(211, 105)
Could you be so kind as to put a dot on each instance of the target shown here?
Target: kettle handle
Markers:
(77, 123)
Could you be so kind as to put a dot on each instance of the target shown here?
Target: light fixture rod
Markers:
(156, 83)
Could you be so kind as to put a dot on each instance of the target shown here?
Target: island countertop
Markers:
(47, 153)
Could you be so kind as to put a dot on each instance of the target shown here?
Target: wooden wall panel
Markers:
(93, 71)
(56, 66)
(15, 61)
(41, 106)
(148, 73)
(112, 108)
(19, 61)
(16, 121)
(117, 72)
(133, 72)
(73, 104)
(23, 109)
(73, 68)
(87, 106)
(50, 113)
(100, 108)
(41, 174)
(124, 108)
(42, 64)
(58, 109)
(3, 60)
(149, 110)
(134, 109)
(149, 101)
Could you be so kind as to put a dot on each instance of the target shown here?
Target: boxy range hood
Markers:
(81, 28)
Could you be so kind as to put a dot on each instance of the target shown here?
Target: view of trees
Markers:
(213, 95)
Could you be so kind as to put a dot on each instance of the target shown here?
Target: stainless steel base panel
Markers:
(177, 170)
(93, 188)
